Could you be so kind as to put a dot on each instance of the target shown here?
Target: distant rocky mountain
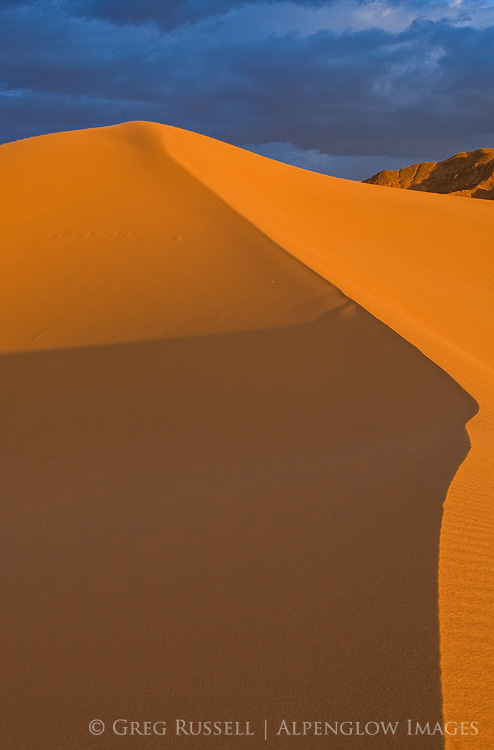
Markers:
(468, 174)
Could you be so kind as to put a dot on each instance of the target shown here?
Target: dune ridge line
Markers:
(465, 351)
(158, 303)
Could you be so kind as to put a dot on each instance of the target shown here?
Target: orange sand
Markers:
(423, 265)
(225, 500)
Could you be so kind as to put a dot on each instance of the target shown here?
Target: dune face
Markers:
(110, 240)
(467, 174)
(241, 526)
(223, 478)
(422, 264)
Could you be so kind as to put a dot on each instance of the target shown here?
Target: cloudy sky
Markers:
(346, 87)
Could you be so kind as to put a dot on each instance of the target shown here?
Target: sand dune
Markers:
(110, 240)
(422, 264)
(223, 478)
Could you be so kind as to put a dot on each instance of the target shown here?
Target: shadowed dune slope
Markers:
(423, 264)
(467, 174)
(223, 479)
(240, 526)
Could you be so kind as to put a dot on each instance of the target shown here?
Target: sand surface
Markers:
(223, 478)
(422, 264)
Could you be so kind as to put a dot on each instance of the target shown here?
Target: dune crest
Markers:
(112, 241)
(180, 337)
(422, 264)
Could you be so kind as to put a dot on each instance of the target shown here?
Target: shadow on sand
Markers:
(239, 527)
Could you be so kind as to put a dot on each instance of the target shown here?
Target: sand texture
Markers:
(235, 396)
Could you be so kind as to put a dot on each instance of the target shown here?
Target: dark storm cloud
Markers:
(168, 14)
(370, 92)
(171, 14)
(165, 14)
(422, 92)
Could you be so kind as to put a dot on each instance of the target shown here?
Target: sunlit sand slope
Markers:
(222, 479)
(424, 265)
(107, 239)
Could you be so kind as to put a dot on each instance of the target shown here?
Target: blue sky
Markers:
(346, 87)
